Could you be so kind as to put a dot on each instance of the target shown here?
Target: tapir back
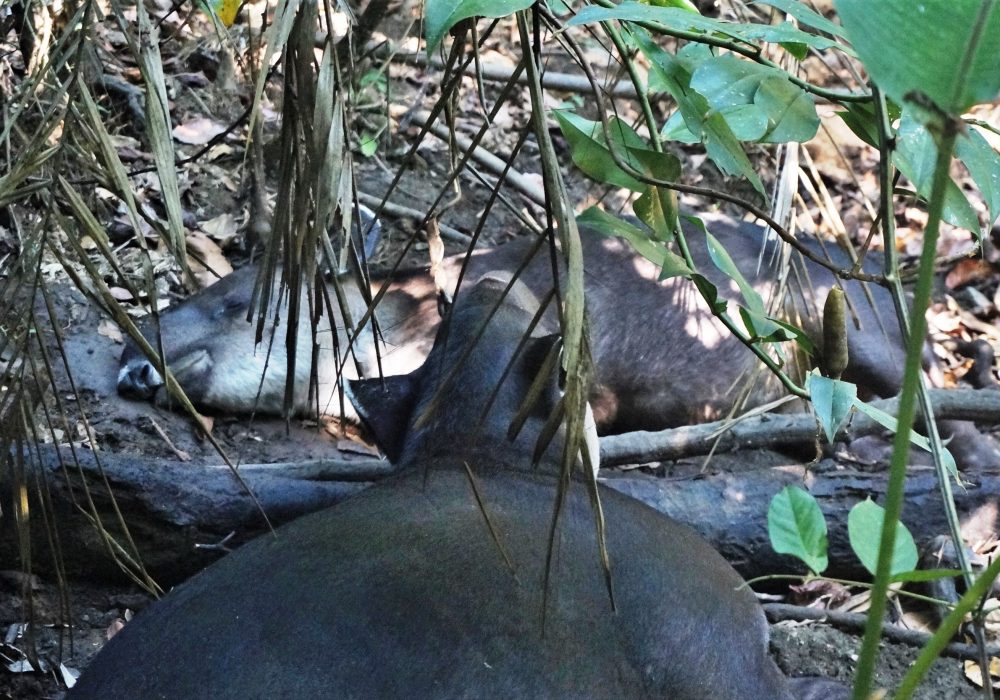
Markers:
(402, 592)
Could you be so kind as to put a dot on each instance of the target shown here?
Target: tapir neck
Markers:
(480, 455)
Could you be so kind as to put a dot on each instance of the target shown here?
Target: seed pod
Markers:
(835, 357)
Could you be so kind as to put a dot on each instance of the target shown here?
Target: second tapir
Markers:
(661, 359)
(438, 583)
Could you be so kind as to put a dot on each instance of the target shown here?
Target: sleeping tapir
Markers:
(434, 584)
(661, 359)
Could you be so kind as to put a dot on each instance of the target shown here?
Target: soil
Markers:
(820, 650)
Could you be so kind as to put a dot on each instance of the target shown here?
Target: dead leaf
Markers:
(207, 260)
(114, 628)
(198, 132)
(967, 271)
(221, 229)
(819, 593)
(110, 330)
(69, 675)
(207, 423)
(974, 672)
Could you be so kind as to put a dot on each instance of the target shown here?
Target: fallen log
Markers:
(177, 513)
(730, 509)
(780, 430)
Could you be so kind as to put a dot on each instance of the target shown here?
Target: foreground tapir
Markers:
(409, 591)
(649, 334)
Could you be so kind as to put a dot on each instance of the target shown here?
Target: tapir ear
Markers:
(385, 406)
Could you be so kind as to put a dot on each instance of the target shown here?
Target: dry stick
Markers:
(324, 469)
(855, 622)
(491, 163)
(401, 212)
(772, 430)
(499, 72)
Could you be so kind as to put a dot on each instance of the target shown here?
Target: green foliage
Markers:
(915, 156)
(442, 15)
(796, 526)
(605, 224)
(758, 102)
(591, 153)
(694, 121)
(941, 49)
(680, 4)
(983, 164)
(864, 528)
(369, 144)
(805, 16)
(679, 20)
(832, 401)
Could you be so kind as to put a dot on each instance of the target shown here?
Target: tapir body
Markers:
(661, 359)
(406, 589)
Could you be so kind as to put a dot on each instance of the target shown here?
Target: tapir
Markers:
(661, 359)
(437, 583)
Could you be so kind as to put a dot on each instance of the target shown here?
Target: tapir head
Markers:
(474, 381)
(209, 345)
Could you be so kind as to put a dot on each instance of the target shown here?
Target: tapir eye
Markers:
(232, 305)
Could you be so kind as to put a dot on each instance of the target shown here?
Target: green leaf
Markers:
(672, 74)
(442, 15)
(682, 20)
(710, 293)
(369, 144)
(721, 259)
(679, 4)
(861, 119)
(795, 333)
(890, 423)
(763, 328)
(758, 102)
(787, 33)
(920, 47)
(916, 156)
(726, 151)
(796, 526)
(805, 16)
(658, 210)
(675, 129)
(590, 152)
(832, 401)
(791, 113)
(984, 167)
(864, 528)
(375, 78)
(604, 224)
